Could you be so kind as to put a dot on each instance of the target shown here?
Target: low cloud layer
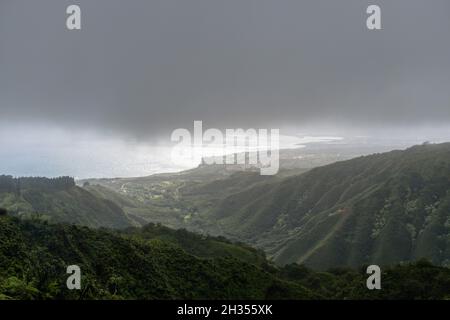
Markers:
(144, 68)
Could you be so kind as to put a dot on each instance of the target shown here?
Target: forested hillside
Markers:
(159, 263)
(382, 209)
(59, 200)
(34, 256)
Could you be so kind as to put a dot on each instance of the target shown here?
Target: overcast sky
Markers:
(144, 68)
(139, 69)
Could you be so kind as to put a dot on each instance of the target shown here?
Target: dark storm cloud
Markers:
(147, 67)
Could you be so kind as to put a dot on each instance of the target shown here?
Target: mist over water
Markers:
(51, 152)
(103, 101)
(56, 152)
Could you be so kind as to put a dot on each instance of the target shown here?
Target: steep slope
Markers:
(184, 199)
(407, 281)
(201, 246)
(59, 200)
(384, 208)
(149, 264)
(34, 257)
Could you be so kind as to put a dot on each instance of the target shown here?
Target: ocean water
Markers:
(57, 153)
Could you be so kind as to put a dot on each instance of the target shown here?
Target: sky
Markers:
(139, 69)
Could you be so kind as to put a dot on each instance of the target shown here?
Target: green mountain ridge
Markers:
(177, 200)
(59, 200)
(34, 256)
(381, 209)
(155, 262)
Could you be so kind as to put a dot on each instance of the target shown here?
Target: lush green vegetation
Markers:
(409, 281)
(387, 209)
(202, 246)
(59, 200)
(383, 209)
(177, 200)
(186, 199)
(34, 256)
(380, 209)
(159, 263)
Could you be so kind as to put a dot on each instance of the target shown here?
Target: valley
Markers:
(217, 232)
(345, 213)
